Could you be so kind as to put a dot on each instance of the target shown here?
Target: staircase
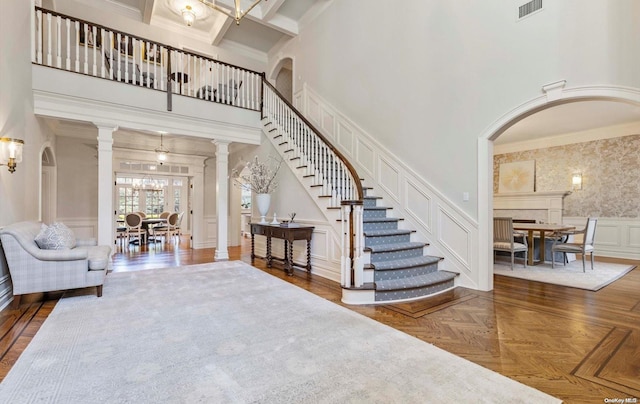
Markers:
(380, 263)
(400, 268)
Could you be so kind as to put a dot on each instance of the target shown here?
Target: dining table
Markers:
(542, 229)
(148, 223)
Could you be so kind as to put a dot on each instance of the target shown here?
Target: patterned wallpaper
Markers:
(610, 175)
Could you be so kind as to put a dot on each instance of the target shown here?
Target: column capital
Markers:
(106, 126)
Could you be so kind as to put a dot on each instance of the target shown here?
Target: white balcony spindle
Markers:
(58, 42)
(39, 36)
(77, 61)
(94, 32)
(67, 61)
(48, 39)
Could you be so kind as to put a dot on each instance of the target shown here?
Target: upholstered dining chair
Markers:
(167, 230)
(165, 214)
(133, 221)
(504, 239)
(583, 248)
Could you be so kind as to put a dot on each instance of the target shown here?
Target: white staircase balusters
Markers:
(329, 168)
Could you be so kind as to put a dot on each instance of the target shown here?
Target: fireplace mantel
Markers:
(549, 201)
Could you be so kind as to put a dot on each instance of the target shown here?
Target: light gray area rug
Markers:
(571, 275)
(230, 333)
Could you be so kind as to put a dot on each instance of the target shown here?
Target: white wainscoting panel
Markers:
(82, 227)
(328, 124)
(633, 235)
(454, 237)
(365, 157)
(418, 204)
(345, 138)
(389, 177)
(615, 237)
(210, 233)
(314, 113)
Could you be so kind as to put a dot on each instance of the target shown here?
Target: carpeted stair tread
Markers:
(388, 232)
(415, 281)
(380, 219)
(395, 247)
(405, 263)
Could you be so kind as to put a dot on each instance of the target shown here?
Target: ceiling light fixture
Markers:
(188, 15)
(161, 152)
(236, 14)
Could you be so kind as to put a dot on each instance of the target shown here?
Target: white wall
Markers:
(77, 178)
(19, 192)
(426, 79)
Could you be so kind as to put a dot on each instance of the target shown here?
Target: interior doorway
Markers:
(152, 195)
(558, 97)
(283, 77)
(48, 186)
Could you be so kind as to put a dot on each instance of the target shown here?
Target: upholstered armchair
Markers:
(34, 269)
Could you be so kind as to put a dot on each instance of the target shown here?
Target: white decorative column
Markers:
(105, 183)
(222, 202)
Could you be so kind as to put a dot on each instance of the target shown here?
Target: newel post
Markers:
(351, 259)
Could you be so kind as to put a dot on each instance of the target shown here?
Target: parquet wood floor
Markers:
(577, 345)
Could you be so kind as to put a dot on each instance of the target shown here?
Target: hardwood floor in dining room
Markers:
(577, 345)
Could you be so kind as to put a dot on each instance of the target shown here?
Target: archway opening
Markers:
(577, 129)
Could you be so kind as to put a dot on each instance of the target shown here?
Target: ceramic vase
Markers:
(263, 201)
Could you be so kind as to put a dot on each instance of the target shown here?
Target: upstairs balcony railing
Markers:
(78, 46)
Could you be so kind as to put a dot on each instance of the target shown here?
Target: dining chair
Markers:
(165, 214)
(504, 239)
(133, 221)
(166, 230)
(583, 248)
(121, 235)
(178, 226)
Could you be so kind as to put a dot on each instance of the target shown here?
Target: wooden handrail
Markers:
(115, 31)
(343, 159)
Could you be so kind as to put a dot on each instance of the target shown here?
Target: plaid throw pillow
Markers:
(55, 237)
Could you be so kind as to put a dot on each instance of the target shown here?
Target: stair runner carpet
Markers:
(401, 270)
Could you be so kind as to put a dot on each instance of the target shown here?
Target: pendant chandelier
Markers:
(236, 14)
(161, 152)
(147, 183)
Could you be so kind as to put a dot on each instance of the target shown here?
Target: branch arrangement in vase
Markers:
(262, 175)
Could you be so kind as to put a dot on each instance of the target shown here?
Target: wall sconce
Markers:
(576, 181)
(10, 152)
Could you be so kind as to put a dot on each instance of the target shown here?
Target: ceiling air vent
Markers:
(529, 8)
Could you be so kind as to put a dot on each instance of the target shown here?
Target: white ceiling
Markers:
(268, 23)
(570, 118)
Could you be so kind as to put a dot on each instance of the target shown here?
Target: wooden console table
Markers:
(289, 235)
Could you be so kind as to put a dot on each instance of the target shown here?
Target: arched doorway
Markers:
(555, 95)
(283, 77)
(48, 185)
